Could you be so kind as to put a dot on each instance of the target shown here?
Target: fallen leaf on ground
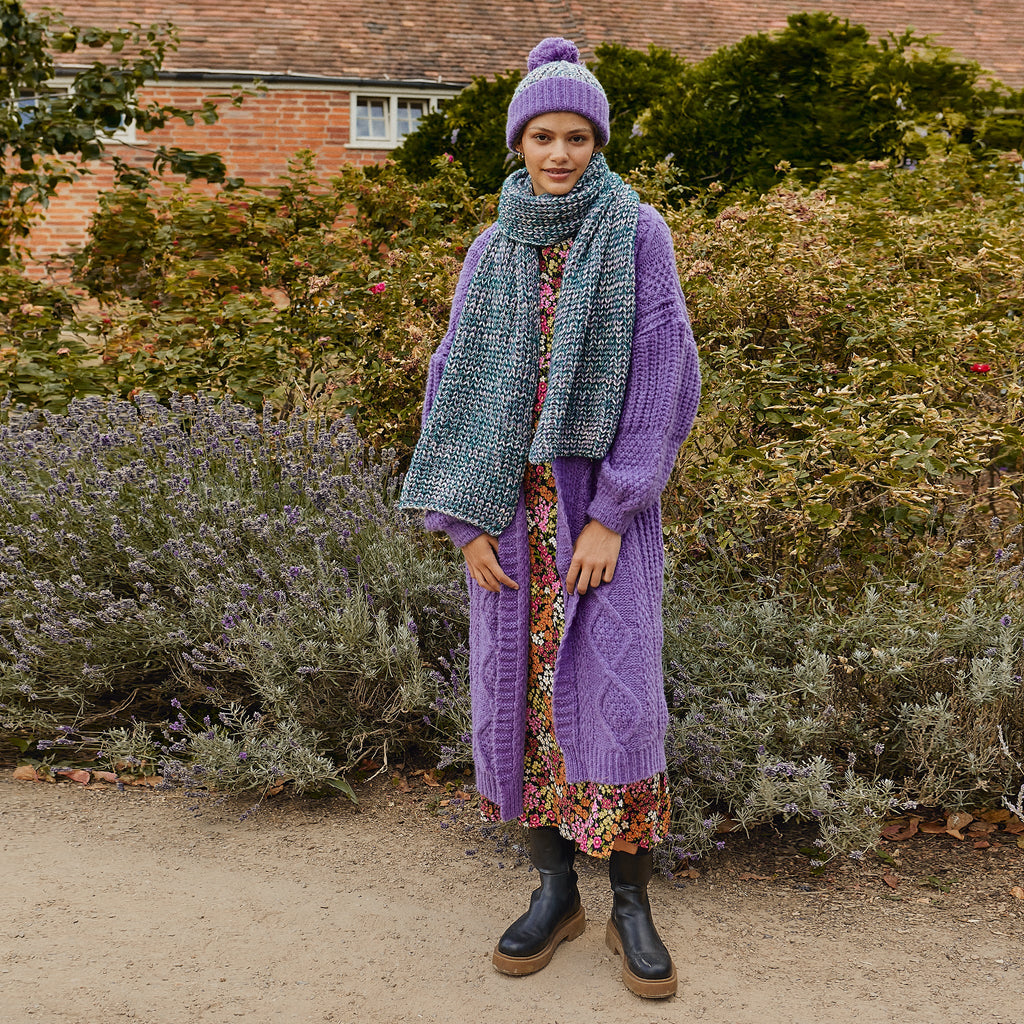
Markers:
(726, 824)
(688, 873)
(431, 779)
(104, 777)
(1017, 892)
(749, 876)
(1014, 826)
(982, 844)
(143, 780)
(932, 828)
(982, 828)
(402, 783)
(26, 773)
(995, 815)
(899, 830)
(890, 880)
(956, 821)
(460, 794)
(74, 774)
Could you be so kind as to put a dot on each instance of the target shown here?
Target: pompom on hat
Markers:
(557, 80)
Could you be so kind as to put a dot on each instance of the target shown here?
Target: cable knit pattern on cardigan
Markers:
(609, 701)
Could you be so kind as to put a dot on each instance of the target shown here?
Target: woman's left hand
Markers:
(594, 558)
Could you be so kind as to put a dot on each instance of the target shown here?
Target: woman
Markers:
(546, 445)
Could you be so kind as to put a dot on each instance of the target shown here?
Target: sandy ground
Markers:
(133, 906)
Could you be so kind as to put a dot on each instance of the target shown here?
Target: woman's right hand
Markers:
(481, 555)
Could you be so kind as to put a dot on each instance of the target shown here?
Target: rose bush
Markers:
(860, 345)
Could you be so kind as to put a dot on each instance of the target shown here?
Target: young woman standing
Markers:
(547, 441)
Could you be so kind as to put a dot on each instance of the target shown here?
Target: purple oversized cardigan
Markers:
(609, 700)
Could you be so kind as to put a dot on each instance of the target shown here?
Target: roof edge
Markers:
(279, 78)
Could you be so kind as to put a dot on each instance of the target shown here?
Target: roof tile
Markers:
(450, 41)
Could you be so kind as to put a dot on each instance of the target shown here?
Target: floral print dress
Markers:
(591, 814)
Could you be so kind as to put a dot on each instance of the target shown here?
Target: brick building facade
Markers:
(345, 78)
(256, 140)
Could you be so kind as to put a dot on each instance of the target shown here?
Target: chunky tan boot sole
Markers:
(648, 988)
(569, 928)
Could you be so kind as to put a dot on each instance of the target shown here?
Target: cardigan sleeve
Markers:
(460, 533)
(662, 389)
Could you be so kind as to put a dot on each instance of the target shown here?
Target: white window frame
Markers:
(123, 136)
(392, 97)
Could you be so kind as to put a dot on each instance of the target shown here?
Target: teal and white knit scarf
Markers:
(471, 456)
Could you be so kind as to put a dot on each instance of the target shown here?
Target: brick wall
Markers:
(256, 141)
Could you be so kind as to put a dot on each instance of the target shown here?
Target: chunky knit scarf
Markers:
(472, 452)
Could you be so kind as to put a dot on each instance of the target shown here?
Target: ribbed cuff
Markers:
(460, 533)
(609, 513)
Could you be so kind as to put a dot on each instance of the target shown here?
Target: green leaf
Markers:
(344, 787)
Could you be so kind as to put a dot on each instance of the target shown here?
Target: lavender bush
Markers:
(790, 705)
(256, 571)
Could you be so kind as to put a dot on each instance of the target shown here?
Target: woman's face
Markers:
(556, 148)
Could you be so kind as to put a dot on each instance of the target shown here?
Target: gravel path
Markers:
(130, 906)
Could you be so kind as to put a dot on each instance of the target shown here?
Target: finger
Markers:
(609, 574)
(507, 580)
(584, 582)
(571, 576)
(491, 572)
(482, 579)
(493, 566)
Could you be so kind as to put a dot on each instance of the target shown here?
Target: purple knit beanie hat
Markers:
(557, 80)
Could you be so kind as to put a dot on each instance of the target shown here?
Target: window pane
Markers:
(409, 114)
(27, 104)
(371, 118)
